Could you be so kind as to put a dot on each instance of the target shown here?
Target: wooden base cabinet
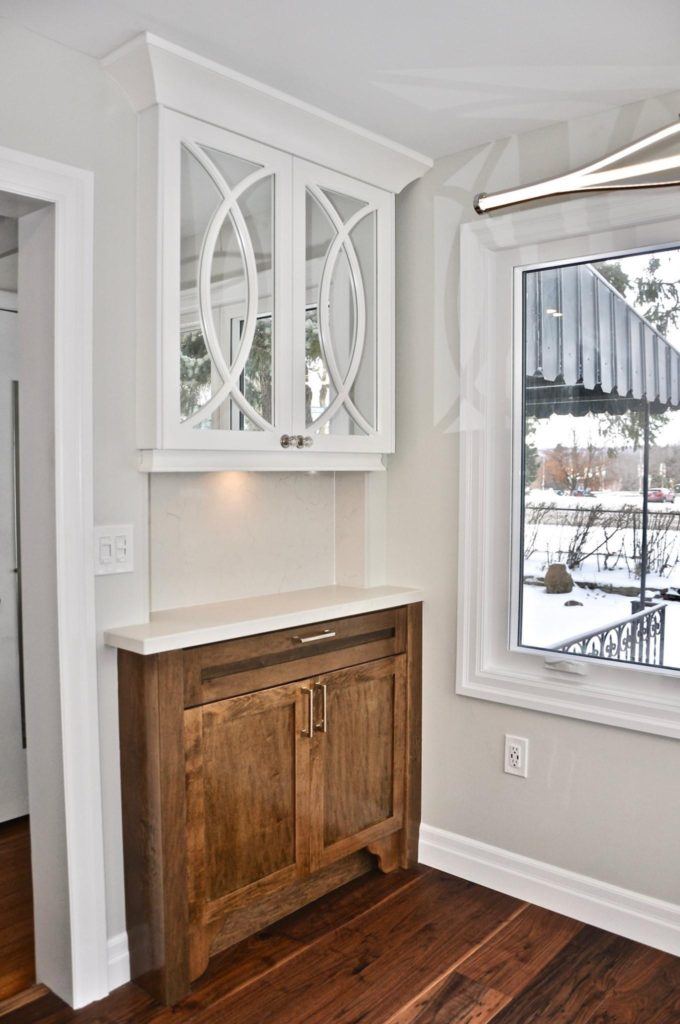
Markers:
(257, 775)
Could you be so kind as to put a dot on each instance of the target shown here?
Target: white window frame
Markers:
(491, 665)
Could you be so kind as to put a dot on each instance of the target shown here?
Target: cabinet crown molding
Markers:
(151, 70)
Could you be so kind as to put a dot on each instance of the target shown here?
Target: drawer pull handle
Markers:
(326, 635)
(324, 709)
(310, 711)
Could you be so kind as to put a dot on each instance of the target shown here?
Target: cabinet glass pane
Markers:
(227, 329)
(199, 200)
(340, 328)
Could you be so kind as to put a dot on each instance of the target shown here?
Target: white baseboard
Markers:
(622, 911)
(118, 960)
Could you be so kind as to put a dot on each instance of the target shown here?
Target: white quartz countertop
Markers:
(175, 628)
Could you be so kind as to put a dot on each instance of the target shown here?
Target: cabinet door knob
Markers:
(296, 441)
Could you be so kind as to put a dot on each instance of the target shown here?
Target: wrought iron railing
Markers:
(638, 639)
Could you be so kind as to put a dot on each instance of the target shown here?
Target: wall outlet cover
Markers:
(516, 760)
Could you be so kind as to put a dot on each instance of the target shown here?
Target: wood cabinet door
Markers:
(357, 772)
(247, 776)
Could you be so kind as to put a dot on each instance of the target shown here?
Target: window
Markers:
(570, 417)
(600, 494)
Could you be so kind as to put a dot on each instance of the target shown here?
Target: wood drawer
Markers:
(216, 671)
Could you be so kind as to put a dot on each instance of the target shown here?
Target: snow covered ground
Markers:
(610, 560)
(610, 549)
(547, 620)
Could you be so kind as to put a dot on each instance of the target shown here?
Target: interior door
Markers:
(357, 778)
(247, 764)
(13, 782)
(343, 312)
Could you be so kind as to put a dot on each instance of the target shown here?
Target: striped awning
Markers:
(587, 350)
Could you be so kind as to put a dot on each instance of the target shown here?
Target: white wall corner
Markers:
(633, 915)
(132, 68)
(118, 960)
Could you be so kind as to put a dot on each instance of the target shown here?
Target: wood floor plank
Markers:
(17, 967)
(647, 991)
(484, 982)
(593, 972)
(256, 956)
(369, 968)
(29, 995)
(419, 948)
(521, 950)
(456, 998)
(348, 903)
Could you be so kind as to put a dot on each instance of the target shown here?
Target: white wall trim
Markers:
(79, 972)
(118, 958)
(642, 918)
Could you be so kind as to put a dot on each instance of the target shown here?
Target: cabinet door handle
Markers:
(324, 709)
(309, 690)
(326, 635)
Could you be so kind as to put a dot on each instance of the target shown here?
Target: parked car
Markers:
(659, 495)
(582, 492)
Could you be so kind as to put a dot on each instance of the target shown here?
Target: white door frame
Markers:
(77, 967)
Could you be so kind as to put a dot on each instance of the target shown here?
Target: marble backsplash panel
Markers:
(217, 536)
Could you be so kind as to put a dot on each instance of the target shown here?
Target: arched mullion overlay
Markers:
(229, 374)
(341, 241)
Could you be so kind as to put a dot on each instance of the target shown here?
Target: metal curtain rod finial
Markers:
(600, 176)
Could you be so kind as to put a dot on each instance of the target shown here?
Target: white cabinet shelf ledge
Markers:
(266, 272)
(177, 628)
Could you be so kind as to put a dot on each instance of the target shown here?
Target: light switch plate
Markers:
(113, 549)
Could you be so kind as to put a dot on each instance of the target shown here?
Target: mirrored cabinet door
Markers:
(343, 311)
(228, 319)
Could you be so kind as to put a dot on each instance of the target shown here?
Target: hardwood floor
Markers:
(413, 947)
(17, 968)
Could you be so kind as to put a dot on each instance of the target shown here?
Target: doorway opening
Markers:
(17, 957)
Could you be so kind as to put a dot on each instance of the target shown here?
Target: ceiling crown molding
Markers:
(151, 71)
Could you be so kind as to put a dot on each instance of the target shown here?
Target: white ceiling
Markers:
(436, 75)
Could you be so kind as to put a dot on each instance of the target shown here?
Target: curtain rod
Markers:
(596, 177)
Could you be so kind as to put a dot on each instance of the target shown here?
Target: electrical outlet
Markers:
(516, 756)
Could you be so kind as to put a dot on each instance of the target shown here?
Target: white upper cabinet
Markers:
(266, 279)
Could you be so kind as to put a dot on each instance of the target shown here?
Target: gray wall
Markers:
(599, 800)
